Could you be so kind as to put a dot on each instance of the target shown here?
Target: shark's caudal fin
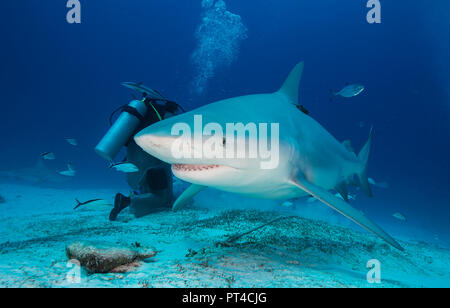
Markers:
(363, 157)
(291, 86)
(345, 209)
(78, 204)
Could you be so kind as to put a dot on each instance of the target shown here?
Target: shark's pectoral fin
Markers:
(187, 196)
(345, 209)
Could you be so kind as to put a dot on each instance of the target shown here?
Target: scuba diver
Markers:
(149, 177)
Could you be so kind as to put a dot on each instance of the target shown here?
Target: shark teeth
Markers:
(187, 168)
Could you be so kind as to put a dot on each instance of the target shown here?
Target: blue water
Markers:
(63, 80)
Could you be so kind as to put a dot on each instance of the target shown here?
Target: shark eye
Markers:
(224, 141)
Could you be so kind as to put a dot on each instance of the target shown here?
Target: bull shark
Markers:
(311, 161)
(39, 174)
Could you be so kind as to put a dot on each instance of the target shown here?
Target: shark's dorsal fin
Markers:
(291, 86)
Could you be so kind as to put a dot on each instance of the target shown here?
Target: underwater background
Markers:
(61, 80)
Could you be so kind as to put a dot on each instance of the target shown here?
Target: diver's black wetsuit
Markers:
(152, 184)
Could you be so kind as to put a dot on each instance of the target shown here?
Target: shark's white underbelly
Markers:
(272, 190)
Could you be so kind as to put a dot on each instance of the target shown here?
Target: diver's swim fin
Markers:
(187, 196)
(345, 209)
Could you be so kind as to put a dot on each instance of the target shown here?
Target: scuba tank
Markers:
(122, 130)
(129, 120)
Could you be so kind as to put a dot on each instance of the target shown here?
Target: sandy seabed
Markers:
(36, 225)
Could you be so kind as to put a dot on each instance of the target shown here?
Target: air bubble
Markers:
(218, 40)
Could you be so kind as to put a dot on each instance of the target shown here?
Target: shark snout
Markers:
(156, 144)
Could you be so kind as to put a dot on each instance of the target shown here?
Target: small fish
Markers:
(314, 199)
(124, 167)
(72, 141)
(400, 216)
(311, 200)
(350, 196)
(287, 204)
(350, 91)
(48, 155)
(379, 185)
(92, 203)
(140, 88)
(70, 171)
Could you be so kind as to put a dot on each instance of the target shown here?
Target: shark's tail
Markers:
(78, 204)
(363, 157)
(332, 94)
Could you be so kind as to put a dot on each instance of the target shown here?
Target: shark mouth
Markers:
(191, 168)
(198, 168)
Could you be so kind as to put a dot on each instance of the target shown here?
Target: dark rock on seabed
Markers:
(97, 258)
